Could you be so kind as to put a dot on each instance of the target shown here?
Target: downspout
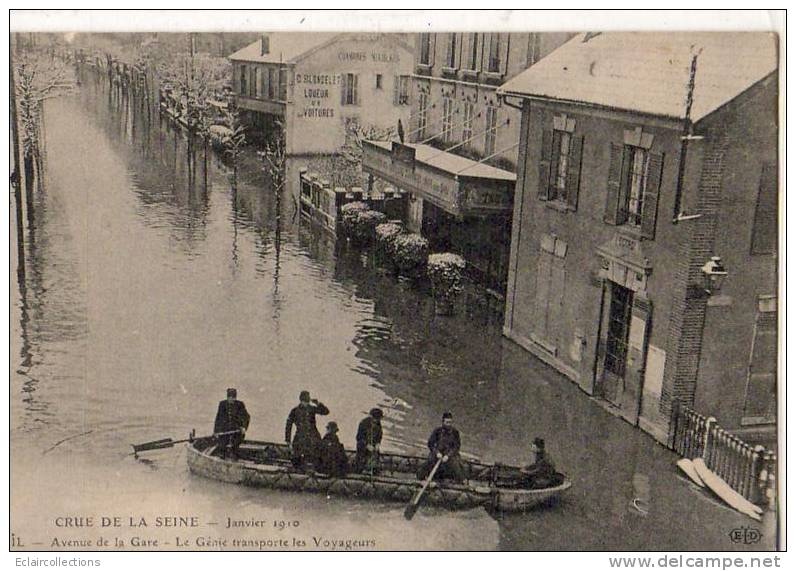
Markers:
(687, 134)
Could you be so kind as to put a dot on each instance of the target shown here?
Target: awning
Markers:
(458, 185)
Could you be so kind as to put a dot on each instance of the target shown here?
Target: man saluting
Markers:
(307, 439)
(232, 416)
(444, 444)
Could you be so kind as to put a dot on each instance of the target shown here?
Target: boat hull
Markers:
(267, 465)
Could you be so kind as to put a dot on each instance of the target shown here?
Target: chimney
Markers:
(264, 45)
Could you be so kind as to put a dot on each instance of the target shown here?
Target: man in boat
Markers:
(232, 416)
(444, 444)
(542, 472)
(332, 458)
(369, 436)
(307, 439)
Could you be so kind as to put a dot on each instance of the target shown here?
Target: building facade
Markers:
(642, 157)
(463, 144)
(320, 86)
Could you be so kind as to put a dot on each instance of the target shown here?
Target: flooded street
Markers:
(151, 286)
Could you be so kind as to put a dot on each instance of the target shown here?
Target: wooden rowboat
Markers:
(267, 465)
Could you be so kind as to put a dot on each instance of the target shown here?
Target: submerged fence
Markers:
(749, 470)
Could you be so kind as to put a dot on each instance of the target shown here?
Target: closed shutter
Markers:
(761, 390)
(573, 172)
(637, 343)
(355, 89)
(558, 280)
(395, 89)
(617, 177)
(543, 269)
(649, 205)
(764, 228)
(344, 88)
(544, 165)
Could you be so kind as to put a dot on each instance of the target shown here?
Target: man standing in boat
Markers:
(232, 416)
(542, 472)
(369, 436)
(307, 439)
(444, 444)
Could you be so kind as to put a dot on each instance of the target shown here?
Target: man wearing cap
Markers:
(307, 439)
(444, 444)
(332, 458)
(232, 416)
(542, 472)
(368, 440)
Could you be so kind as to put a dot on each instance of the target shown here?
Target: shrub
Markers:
(445, 273)
(410, 252)
(359, 221)
(386, 234)
(350, 215)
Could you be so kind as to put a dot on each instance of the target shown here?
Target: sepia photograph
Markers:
(475, 284)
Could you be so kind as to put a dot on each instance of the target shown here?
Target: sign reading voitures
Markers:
(314, 89)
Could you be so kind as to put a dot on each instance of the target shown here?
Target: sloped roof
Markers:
(649, 72)
(452, 164)
(284, 47)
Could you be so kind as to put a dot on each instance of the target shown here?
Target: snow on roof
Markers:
(283, 47)
(453, 164)
(648, 72)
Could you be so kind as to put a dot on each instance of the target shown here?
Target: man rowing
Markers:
(307, 439)
(444, 444)
(232, 417)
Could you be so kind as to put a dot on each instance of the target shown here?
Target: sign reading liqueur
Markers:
(314, 89)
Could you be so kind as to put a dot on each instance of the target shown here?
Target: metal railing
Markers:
(749, 470)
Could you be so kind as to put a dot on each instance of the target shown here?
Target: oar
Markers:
(168, 442)
(411, 509)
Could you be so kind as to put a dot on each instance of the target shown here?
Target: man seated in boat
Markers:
(542, 472)
(332, 459)
(369, 436)
(232, 417)
(305, 443)
(444, 444)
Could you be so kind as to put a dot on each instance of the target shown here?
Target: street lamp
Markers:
(714, 274)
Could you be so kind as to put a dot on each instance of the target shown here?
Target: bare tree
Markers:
(235, 139)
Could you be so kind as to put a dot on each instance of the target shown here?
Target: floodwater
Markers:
(151, 286)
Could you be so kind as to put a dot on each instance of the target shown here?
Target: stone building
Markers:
(642, 157)
(320, 84)
(458, 161)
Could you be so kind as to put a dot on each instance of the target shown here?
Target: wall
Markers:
(317, 117)
(729, 325)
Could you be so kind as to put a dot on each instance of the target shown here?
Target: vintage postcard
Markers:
(473, 285)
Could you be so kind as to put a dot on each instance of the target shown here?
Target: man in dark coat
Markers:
(369, 436)
(332, 458)
(444, 443)
(307, 438)
(542, 472)
(231, 416)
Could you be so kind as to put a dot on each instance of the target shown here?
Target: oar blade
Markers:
(410, 511)
(154, 445)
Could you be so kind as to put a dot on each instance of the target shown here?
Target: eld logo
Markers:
(745, 535)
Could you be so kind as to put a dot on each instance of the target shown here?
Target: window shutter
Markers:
(573, 173)
(355, 88)
(395, 89)
(649, 212)
(543, 276)
(344, 89)
(544, 165)
(614, 213)
(764, 227)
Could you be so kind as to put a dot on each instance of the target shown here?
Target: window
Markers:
(447, 119)
(283, 85)
(760, 405)
(637, 182)
(493, 61)
(425, 49)
(252, 81)
(634, 179)
(467, 127)
(272, 84)
(378, 81)
(618, 329)
(764, 227)
(559, 170)
(490, 135)
(422, 117)
(349, 92)
(450, 52)
(401, 90)
(258, 84)
(471, 61)
(243, 76)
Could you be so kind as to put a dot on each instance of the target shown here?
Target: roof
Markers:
(284, 47)
(648, 72)
(450, 163)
